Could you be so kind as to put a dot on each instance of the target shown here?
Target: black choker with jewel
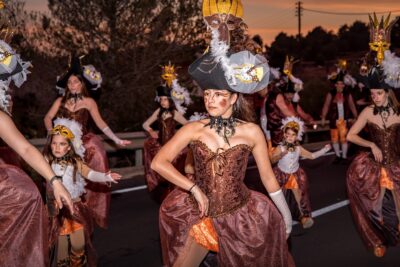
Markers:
(64, 160)
(384, 112)
(224, 127)
(75, 97)
(291, 147)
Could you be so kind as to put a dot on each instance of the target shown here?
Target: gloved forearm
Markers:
(107, 131)
(99, 177)
(320, 152)
(280, 202)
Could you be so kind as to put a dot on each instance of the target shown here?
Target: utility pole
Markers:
(299, 13)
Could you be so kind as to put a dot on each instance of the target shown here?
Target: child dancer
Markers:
(288, 172)
(71, 234)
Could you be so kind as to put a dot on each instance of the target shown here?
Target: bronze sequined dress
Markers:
(151, 148)
(97, 197)
(23, 218)
(374, 189)
(250, 230)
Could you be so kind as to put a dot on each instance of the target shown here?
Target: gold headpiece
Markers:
(342, 64)
(288, 66)
(293, 125)
(7, 23)
(168, 74)
(64, 131)
(229, 7)
(380, 35)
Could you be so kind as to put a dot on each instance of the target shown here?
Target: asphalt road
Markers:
(133, 238)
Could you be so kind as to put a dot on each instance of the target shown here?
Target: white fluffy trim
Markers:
(391, 69)
(299, 122)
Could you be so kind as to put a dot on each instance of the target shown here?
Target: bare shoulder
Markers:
(367, 111)
(195, 125)
(252, 130)
(157, 111)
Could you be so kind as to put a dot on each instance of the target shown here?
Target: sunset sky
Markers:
(269, 17)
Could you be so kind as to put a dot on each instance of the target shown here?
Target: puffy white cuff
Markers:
(99, 177)
(320, 152)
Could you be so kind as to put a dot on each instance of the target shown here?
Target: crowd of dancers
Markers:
(199, 170)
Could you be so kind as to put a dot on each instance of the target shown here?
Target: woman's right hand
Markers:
(377, 153)
(62, 196)
(202, 200)
(153, 134)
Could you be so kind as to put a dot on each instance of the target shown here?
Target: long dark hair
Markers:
(243, 110)
(71, 157)
(84, 91)
(393, 102)
(171, 108)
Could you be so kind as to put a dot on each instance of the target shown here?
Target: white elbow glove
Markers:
(99, 177)
(107, 131)
(280, 202)
(320, 152)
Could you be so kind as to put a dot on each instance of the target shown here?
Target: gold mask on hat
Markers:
(380, 35)
(63, 131)
(168, 74)
(288, 65)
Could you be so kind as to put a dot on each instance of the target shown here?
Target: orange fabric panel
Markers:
(69, 226)
(291, 183)
(385, 181)
(205, 235)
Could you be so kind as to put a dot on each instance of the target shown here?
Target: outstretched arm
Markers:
(10, 134)
(313, 155)
(260, 153)
(305, 116)
(98, 120)
(97, 177)
(280, 102)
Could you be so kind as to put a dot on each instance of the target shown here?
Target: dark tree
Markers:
(127, 40)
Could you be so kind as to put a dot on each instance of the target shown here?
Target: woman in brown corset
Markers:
(77, 105)
(167, 115)
(373, 178)
(215, 211)
(23, 218)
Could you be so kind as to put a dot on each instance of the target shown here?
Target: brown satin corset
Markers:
(387, 140)
(81, 115)
(220, 176)
(167, 129)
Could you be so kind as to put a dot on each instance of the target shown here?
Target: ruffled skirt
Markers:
(23, 220)
(253, 235)
(375, 208)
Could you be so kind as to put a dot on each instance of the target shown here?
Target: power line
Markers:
(347, 13)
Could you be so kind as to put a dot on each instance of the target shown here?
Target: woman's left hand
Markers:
(116, 177)
(62, 196)
(124, 142)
